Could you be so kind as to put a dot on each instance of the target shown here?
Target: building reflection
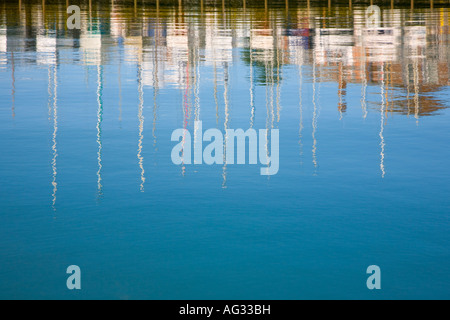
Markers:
(406, 58)
(414, 46)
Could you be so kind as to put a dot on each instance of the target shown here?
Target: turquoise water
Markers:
(86, 119)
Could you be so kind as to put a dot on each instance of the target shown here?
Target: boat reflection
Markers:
(404, 59)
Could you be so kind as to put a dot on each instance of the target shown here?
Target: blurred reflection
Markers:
(382, 143)
(300, 130)
(141, 128)
(13, 85)
(350, 54)
(99, 129)
(227, 119)
(54, 136)
(175, 46)
(314, 118)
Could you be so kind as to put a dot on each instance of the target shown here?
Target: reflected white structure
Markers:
(3, 47)
(218, 45)
(46, 49)
(91, 47)
(381, 43)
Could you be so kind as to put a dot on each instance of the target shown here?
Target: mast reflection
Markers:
(54, 135)
(99, 129)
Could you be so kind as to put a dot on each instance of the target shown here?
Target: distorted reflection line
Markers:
(416, 90)
(278, 86)
(49, 92)
(54, 137)
(300, 76)
(227, 115)
(196, 90)
(272, 99)
(252, 88)
(216, 100)
(120, 91)
(342, 89)
(267, 93)
(267, 108)
(99, 128)
(408, 90)
(314, 119)
(382, 143)
(364, 87)
(13, 85)
(387, 92)
(156, 84)
(186, 114)
(197, 84)
(141, 127)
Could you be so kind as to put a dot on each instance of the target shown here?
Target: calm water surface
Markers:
(86, 118)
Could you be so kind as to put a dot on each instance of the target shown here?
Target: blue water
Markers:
(87, 177)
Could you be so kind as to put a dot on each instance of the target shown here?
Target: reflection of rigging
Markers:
(252, 89)
(364, 86)
(141, 127)
(216, 100)
(300, 76)
(54, 136)
(99, 128)
(267, 84)
(49, 92)
(155, 80)
(196, 89)
(278, 84)
(416, 90)
(408, 90)
(120, 91)
(272, 86)
(186, 115)
(252, 86)
(342, 107)
(382, 143)
(227, 115)
(13, 90)
(315, 115)
(386, 91)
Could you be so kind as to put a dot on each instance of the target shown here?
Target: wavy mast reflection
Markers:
(300, 78)
(141, 127)
(119, 82)
(416, 90)
(364, 86)
(226, 121)
(13, 85)
(352, 55)
(156, 78)
(314, 118)
(186, 115)
(99, 129)
(252, 89)
(382, 111)
(54, 135)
